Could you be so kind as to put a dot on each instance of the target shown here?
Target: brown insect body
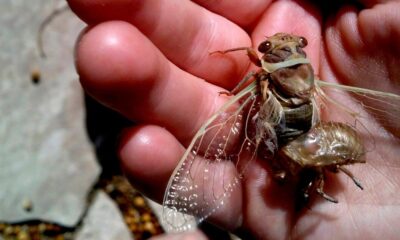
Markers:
(275, 118)
(304, 143)
(325, 147)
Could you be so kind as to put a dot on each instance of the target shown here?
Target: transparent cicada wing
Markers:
(374, 114)
(213, 164)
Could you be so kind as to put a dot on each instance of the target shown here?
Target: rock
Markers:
(47, 164)
(103, 221)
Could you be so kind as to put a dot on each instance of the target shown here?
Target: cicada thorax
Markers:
(292, 87)
(288, 109)
(290, 79)
(288, 103)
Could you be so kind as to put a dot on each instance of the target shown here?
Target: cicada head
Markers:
(282, 47)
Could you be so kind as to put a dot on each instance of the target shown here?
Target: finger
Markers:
(122, 69)
(185, 32)
(242, 13)
(371, 3)
(148, 156)
(363, 47)
(296, 18)
(190, 235)
(379, 27)
(96, 11)
(269, 201)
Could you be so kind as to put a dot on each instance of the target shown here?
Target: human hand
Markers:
(154, 67)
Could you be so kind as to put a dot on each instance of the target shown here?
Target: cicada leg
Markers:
(350, 175)
(306, 185)
(250, 52)
(311, 180)
(239, 86)
(320, 189)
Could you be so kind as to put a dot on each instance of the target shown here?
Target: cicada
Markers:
(300, 126)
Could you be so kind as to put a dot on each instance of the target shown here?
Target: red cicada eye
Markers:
(264, 46)
(303, 42)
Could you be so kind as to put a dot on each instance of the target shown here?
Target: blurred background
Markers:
(59, 175)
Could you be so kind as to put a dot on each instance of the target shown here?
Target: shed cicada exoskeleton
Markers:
(302, 127)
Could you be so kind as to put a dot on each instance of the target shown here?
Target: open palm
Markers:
(150, 61)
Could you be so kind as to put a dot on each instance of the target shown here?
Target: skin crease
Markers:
(153, 67)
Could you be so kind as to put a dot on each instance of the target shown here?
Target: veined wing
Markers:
(211, 168)
(374, 114)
